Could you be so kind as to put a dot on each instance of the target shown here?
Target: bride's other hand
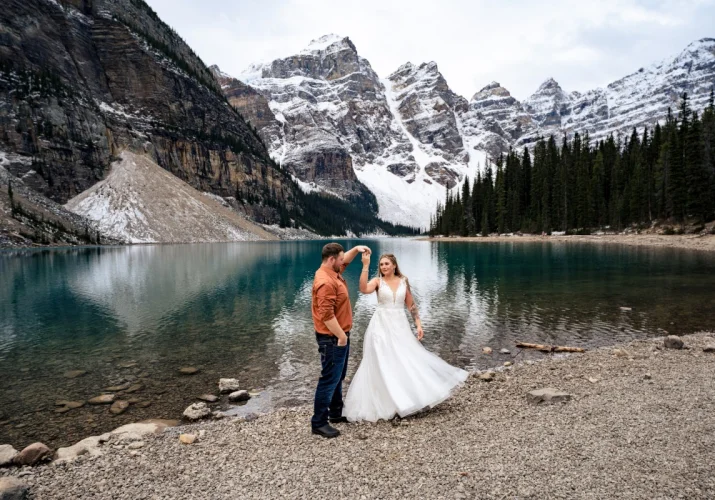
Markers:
(363, 249)
(420, 333)
(366, 257)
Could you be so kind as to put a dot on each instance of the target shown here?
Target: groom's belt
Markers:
(323, 336)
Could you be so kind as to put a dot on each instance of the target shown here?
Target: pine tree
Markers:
(501, 197)
(676, 178)
(467, 222)
(525, 189)
(696, 173)
(597, 200)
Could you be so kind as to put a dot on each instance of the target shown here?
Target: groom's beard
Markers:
(336, 268)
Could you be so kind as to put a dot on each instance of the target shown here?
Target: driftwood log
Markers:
(549, 348)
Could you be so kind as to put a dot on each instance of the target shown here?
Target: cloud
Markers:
(518, 43)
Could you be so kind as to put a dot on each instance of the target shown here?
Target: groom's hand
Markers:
(363, 249)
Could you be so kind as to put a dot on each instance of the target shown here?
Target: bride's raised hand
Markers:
(366, 257)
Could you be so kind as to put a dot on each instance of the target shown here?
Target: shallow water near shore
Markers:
(138, 314)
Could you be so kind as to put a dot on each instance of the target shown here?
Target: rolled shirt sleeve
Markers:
(327, 298)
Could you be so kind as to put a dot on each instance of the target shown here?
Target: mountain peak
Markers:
(549, 83)
(326, 41)
(216, 71)
(494, 89)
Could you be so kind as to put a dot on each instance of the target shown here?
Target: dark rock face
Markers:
(495, 119)
(103, 76)
(442, 174)
(330, 169)
(253, 107)
(330, 109)
(428, 108)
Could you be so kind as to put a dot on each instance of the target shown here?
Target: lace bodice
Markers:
(386, 298)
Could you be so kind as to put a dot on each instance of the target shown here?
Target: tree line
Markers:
(664, 173)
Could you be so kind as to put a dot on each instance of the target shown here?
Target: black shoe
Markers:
(338, 420)
(326, 431)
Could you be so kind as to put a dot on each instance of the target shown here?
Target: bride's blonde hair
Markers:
(398, 273)
(392, 259)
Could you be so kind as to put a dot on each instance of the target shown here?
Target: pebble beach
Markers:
(634, 421)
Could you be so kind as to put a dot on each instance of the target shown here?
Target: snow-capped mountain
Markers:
(638, 100)
(336, 126)
(495, 120)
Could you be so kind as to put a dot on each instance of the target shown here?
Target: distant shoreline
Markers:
(685, 241)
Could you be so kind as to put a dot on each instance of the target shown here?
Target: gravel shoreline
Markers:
(621, 435)
(686, 241)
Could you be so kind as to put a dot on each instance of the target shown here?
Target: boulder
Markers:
(547, 395)
(134, 388)
(487, 377)
(70, 404)
(239, 396)
(12, 489)
(117, 388)
(188, 370)
(227, 385)
(33, 454)
(7, 454)
(209, 398)
(709, 348)
(673, 342)
(504, 351)
(88, 446)
(487, 350)
(187, 438)
(136, 431)
(119, 407)
(197, 411)
(104, 399)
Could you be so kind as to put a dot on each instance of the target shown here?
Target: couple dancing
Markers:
(397, 376)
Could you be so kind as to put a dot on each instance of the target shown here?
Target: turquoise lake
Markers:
(138, 314)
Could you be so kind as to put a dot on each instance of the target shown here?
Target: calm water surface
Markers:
(139, 314)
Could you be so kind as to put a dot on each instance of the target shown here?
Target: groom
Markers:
(333, 319)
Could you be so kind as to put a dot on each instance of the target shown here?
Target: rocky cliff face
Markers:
(495, 120)
(428, 109)
(104, 76)
(333, 116)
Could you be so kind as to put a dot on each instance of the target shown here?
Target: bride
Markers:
(397, 376)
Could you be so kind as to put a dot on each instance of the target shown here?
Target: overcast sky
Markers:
(582, 44)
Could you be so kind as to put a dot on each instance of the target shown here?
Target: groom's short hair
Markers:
(332, 250)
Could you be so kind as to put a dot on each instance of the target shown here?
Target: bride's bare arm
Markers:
(412, 306)
(365, 285)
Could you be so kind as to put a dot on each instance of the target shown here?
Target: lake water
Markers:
(139, 314)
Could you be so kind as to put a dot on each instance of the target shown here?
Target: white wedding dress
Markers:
(397, 375)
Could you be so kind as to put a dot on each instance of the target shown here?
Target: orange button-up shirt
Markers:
(331, 300)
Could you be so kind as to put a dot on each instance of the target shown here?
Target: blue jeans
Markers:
(329, 393)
